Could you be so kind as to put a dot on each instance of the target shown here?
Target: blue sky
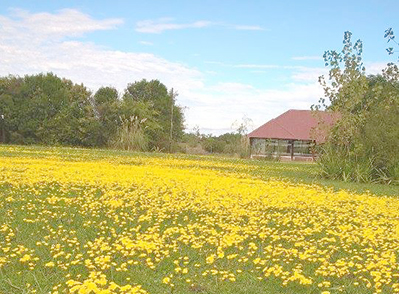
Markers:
(226, 59)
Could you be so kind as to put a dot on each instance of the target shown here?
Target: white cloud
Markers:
(44, 26)
(28, 46)
(298, 73)
(248, 28)
(373, 68)
(309, 74)
(257, 66)
(146, 43)
(307, 58)
(216, 108)
(165, 24)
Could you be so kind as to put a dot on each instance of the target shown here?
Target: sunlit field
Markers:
(81, 221)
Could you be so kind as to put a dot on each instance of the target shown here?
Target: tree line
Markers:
(45, 109)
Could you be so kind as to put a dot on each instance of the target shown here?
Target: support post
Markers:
(292, 150)
(3, 130)
(173, 95)
(278, 149)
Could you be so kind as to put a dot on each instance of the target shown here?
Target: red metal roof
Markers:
(296, 125)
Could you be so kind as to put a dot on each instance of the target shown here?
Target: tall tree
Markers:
(155, 95)
(358, 144)
(9, 88)
(346, 88)
(44, 109)
(107, 107)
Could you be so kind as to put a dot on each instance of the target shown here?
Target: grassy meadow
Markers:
(99, 221)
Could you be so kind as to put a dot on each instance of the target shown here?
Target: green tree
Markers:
(9, 88)
(346, 89)
(108, 110)
(81, 116)
(166, 114)
(44, 109)
(359, 147)
(142, 115)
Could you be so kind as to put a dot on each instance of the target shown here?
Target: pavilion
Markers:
(292, 135)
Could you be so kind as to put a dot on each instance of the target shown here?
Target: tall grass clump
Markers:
(369, 154)
(131, 135)
(244, 147)
(338, 164)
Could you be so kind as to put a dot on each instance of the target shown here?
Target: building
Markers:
(292, 135)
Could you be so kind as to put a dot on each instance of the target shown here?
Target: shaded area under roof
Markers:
(297, 125)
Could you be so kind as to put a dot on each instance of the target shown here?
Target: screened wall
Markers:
(278, 147)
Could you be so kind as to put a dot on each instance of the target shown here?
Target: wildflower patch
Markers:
(147, 224)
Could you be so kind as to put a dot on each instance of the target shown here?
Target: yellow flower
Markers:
(166, 280)
(25, 258)
(210, 259)
(50, 264)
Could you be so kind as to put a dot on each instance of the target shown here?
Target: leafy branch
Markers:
(390, 36)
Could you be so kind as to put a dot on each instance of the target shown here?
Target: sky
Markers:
(228, 60)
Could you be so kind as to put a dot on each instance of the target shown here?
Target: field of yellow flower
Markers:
(81, 221)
